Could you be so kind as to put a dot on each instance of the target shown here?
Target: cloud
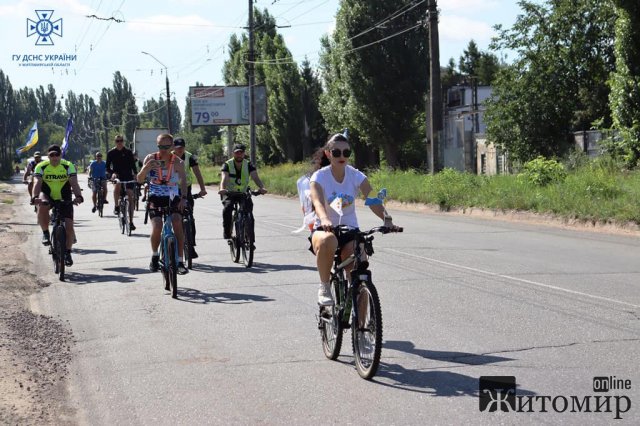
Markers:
(26, 8)
(458, 28)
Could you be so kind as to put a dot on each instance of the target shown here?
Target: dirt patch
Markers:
(35, 350)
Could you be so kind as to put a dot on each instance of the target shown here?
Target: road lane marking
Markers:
(509, 277)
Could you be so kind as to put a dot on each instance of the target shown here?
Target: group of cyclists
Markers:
(331, 191)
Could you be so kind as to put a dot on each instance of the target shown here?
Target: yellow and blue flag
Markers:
(65, 141)
(32, 140)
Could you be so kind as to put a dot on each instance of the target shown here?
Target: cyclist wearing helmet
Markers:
(98, 170)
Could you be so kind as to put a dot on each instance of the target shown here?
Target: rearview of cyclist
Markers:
(235, 177)
(334, 189)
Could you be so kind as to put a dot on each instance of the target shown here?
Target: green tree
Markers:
(625, 81)
(314, 133)
(377, 66)
(557, 83)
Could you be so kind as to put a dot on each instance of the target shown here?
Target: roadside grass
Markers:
(598, 191)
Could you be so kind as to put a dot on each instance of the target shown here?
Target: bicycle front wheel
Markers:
(172, 262)
(366, 330)
(248, 247)
(61, 248)
(100, 203)
(125, 217)
(331, 328)
(236, 240)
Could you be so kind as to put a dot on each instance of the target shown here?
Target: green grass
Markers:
(595, 192)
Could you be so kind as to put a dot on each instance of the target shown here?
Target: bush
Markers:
(542, 172)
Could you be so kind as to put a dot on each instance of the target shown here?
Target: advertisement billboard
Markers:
(226, 105)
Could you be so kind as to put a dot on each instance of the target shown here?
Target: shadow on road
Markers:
(93, 251)
(129, 271)
(81, 279)
(457, 357)
(257, 268)
(196, 296)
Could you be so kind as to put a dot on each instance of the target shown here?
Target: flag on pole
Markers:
(65, 141)
(32, 140)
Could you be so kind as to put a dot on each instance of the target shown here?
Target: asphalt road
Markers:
(461, 298)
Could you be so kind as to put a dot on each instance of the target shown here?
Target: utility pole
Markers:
(166, 75)
(250, 69)
(435, 89)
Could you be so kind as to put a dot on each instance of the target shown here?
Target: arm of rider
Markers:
(196, 172)
(27, 172)
(73, 180)
(224, 181)
(377, 209)
(149, 163)
(179, 167)
(317, 198)
(37, 186)
(256, 179)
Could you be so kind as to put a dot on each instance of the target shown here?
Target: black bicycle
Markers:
(96, 184)
(242, 233)
(366, 319)
(58, 246)
(168, 252)
(189, 229)
(124, 206)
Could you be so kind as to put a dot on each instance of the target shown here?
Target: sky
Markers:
(187, 37)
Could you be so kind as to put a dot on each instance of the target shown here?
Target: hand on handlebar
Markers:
(326, 224)
(223, 191)
(262, 191)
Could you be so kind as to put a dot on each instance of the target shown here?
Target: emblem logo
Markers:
(44, 28)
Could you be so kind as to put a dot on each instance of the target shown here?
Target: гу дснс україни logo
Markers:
(44, 28)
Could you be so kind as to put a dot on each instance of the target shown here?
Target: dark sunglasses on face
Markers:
(119, 140)
(346, 153)
(54, 154)
(164, 146)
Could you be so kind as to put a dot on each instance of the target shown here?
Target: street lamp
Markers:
(168, 93)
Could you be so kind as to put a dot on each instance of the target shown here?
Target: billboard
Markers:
(226, 105)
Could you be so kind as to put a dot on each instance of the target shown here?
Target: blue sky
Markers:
(189, 37)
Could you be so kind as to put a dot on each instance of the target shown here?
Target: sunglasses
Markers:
(164, 146)
(54, 154)
(346, 153)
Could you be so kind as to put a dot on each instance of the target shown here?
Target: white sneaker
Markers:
(324, 295)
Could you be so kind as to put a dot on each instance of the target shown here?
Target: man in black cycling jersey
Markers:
(121, 165)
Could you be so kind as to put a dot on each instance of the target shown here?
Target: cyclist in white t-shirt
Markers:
(334, 189)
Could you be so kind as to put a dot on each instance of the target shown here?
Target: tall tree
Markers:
(380, 69)
(557, 83)
(625, 81)
(314, 131)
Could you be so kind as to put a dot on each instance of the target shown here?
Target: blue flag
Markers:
(65, 141)
(32, 140)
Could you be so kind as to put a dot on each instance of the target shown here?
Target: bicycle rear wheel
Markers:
(235, 242)
(188, 243)
(172, 263)
(248, 247)
(331, 328)
(61, 248)
(366, 331)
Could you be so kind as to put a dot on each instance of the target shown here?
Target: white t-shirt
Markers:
(340, 196)
(304, 193)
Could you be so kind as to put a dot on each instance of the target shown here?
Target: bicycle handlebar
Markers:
(117, 181)
(344, 229)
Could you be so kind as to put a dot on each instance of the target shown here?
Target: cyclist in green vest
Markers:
(235, 177)
(56, 179)
(191, 169)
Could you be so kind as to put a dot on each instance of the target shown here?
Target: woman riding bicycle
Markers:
(334, 189)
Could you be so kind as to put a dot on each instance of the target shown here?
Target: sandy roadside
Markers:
(35, 350)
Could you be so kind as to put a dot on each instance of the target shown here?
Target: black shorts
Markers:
(66, 210)
(343, 239)
(157, 203)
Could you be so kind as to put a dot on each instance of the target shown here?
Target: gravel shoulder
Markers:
(35, 350)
